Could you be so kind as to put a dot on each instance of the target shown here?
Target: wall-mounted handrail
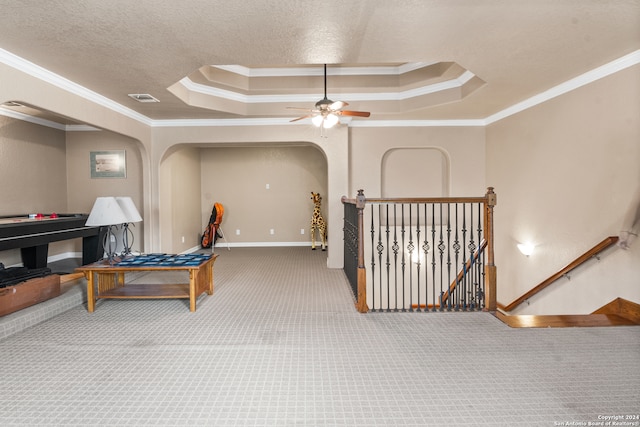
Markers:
(594, 251)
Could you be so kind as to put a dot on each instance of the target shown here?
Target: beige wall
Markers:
(334, 148)
(180, 205)
(48, 170)
(33, 168)
(462, 147)
(27, 88)
(238, 178)
(83, 190)
(565, 172)
(33, 173)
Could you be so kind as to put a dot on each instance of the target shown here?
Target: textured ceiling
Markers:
(399, 59)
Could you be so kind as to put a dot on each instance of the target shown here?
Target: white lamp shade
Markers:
(129, 209)
(106, 211)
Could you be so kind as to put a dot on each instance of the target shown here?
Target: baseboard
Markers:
(262, 244)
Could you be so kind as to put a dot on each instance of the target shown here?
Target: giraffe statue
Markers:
(317, 222)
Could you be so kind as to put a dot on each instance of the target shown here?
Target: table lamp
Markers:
(106, 212)
(133, 216)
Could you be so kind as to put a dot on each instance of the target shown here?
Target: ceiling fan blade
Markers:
(338, 105)
(301, 118)
(353, 113)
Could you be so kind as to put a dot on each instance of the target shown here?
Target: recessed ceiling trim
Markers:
(380, 96)
(319, 71)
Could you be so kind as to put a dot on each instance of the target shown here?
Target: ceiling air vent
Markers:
(143, 97)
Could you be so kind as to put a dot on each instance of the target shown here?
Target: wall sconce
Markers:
(526, 248)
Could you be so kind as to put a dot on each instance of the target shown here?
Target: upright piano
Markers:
(33, 235)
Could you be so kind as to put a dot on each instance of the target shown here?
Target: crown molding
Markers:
(47, 76)
(31, 119)
(56, 80)
(416, 123)
(582, 80)
(267, 121)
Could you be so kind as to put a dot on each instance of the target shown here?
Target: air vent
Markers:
(143, 97)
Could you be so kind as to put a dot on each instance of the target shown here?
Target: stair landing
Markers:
(564, 321)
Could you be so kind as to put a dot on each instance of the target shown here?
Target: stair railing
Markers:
(423, 253)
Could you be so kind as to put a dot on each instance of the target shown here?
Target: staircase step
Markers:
(564, 321)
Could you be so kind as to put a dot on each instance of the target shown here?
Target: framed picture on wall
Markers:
(108, 164)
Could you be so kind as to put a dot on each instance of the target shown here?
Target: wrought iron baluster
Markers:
(388, 260)
(433, 254)
(380, 249)
(449, 252)
(425, 249)
(480, 265)
(465, 270)
(456, 254)
(441, 248)
(410, 248)
(472, 247)
(395, 256)
(373, 263)
(404, 261)
(418, 253)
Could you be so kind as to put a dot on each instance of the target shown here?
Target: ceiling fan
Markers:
(326, 112)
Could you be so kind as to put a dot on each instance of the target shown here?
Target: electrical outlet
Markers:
(182, 239)
(302, 231)
(272, 231)
(238, 232)
(268, 186)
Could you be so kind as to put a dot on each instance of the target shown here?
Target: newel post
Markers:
(361, 302)
(490, 298)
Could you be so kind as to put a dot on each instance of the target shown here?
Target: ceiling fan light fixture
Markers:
(330, 121)
(317, 120)
(326, 113)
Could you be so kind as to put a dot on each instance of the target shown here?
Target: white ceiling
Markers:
(399, 59)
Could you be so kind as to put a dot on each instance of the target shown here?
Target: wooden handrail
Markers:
(473, 258)
(609, 241)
